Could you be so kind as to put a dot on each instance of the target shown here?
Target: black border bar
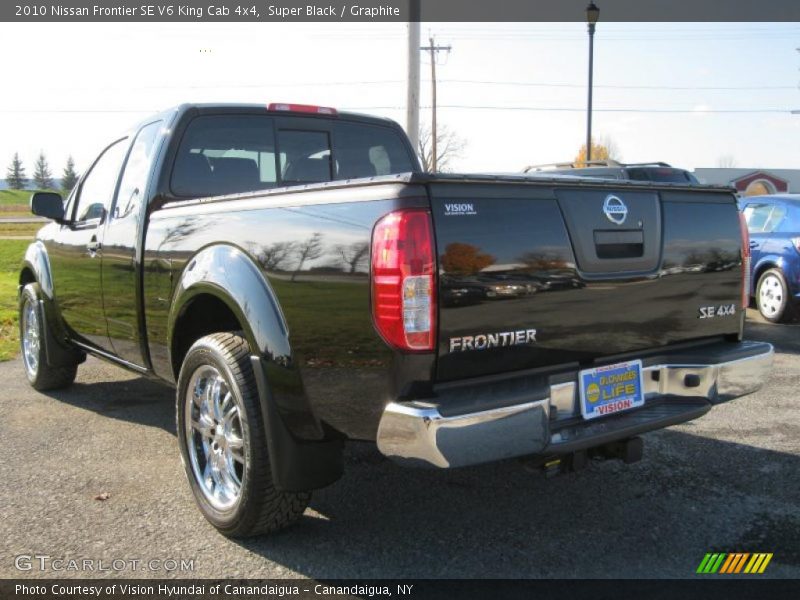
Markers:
(333, 11)
(700, 588)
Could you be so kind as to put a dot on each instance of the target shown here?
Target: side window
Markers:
(756, 216)
(137, 168)
(305, 156)
(225, 154)
(97, 190)
(775, 218)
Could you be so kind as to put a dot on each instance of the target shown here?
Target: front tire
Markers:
(40, 375)
(223, 443)
(772, 297)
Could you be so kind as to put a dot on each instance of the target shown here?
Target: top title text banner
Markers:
(397, 10)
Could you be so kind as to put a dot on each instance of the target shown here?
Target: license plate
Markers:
(611, 389)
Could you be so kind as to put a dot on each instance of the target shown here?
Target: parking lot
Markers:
(727, 482)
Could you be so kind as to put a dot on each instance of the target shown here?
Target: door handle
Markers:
(93, 245)
(753, 244)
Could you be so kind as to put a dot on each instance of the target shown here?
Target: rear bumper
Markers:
(530, 415)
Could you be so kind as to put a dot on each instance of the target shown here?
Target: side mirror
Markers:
(49, 205)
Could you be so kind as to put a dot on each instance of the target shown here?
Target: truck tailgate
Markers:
(532, 275)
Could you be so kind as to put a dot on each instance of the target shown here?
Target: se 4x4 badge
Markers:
(711, 312)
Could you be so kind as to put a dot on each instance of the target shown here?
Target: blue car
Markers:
(774, 226)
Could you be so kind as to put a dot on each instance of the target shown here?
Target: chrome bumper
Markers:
(427, 433)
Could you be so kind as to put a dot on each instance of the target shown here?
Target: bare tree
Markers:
(310, 249)
(726, 161)
(273, 256)
(354, 254)
(449, 145)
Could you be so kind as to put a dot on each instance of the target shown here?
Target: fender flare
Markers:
(58, 351)
(303, 456)
(37, 262)
(769, 261)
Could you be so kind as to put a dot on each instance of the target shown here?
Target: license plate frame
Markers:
(611, 389)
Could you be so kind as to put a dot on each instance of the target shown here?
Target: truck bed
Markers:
(529, 274)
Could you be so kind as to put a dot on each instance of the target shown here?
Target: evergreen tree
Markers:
(69, 177)
(42, 177)
(15, 175)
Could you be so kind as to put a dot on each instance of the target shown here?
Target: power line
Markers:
(540, 84)
(494, 82)
(620, 86)
(610, 110)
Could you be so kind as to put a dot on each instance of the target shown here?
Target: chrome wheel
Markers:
(770, 295)
(31, 338)
(215, 437)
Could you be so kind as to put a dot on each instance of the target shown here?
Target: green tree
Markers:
(42, 177)
(69, 177)
(15, 175)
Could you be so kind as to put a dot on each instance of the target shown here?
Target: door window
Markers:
(137, 168)
(97, 189)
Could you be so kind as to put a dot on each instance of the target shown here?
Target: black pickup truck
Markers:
(299, 280)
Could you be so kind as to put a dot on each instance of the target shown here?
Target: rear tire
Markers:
(40, 375)
(773, 298)
(223, 443)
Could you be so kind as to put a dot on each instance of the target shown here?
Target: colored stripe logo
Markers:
(732, 563)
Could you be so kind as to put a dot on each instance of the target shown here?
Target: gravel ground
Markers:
(727, 482)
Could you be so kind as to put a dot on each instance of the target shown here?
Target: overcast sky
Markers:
(68, 88)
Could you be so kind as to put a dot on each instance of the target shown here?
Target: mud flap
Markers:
(58, 354)
(296, 465)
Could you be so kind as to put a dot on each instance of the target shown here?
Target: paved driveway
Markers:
(727, 482)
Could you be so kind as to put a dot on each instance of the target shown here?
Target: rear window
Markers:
(764, 218)
(366, 151)
(659, 174)
(305, 156)
(226, 154)
(756, 216)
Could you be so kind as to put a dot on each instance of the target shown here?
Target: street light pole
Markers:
(592, 15)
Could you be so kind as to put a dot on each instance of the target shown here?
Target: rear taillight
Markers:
(403, 282)
(745, 262)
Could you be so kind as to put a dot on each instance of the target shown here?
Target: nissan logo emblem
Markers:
(615, 210)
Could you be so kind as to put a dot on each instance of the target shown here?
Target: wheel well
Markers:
(758, 273)
(26, 277)
(202, 315)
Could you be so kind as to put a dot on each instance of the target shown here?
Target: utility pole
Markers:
(433, 49)
(412, 92)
